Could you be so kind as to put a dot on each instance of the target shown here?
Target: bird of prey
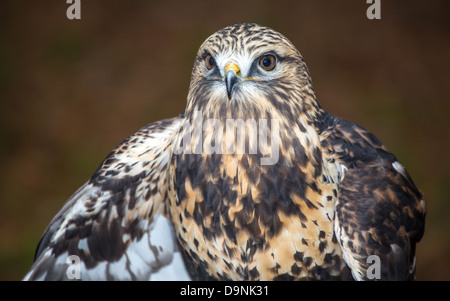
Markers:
(254, 180)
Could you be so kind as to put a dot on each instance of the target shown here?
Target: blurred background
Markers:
(71, 90)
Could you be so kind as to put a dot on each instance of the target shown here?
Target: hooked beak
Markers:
(232, 77)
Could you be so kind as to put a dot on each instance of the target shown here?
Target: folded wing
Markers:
(380, 214)
(115, 224)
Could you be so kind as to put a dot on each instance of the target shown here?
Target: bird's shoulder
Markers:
(115, 224)
(379, 210)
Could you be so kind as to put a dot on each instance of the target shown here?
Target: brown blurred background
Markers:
(71, 90)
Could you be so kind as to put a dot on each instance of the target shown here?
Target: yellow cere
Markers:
(234, 67)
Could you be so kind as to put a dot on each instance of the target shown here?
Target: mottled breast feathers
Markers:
(253, 181)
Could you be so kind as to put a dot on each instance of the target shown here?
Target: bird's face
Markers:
(247, 67)
(241, 73)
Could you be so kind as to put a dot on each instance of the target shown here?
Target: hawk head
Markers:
(247, 70)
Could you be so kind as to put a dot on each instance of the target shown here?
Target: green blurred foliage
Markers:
(72, 90)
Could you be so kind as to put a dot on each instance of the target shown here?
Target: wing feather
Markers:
(379, 209)
(115, 223)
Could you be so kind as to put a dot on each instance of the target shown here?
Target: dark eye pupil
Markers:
(267, 62)
(209, 62)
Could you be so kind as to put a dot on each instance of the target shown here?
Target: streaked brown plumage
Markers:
(332, 196)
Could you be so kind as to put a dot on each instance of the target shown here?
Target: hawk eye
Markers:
(210, 62)
(268, 62)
